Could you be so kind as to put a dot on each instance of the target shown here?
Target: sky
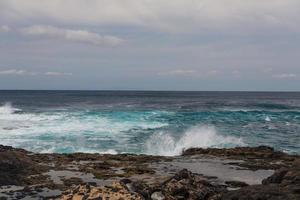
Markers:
(150, 45)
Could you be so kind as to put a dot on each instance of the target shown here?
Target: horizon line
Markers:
(139, 90)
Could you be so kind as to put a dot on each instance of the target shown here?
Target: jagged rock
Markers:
(277, 177)
(283, 184)
(257, 152)
(186, 185)
(157, 196)
(114, 192)
(19, 167)
(236, 184)
(13, 164)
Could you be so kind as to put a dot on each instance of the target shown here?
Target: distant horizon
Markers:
(112, 90)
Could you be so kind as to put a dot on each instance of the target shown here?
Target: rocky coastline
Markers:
(239, 173)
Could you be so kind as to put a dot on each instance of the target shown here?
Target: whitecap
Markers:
(267, 119)
(7, 108)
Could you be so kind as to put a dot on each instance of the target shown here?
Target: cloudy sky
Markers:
(150, 44)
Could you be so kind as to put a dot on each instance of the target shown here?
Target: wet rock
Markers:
(14, 163)
(253, 152)
(284, 176)
(157, 196)
(141, 188)
(257, 192)
(261, 157)
(72, 181)
(277, 177)
(143, 180)
(186, 185)
(283, 184)
(236, 184)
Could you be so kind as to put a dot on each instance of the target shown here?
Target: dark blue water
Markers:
(148, 122)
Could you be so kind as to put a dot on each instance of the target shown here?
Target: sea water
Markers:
(157, 123)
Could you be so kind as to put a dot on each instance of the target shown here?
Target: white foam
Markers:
(7, 109)
(84, 150)
(109, 151)
(60, 131)
(267, 119)
(199, 136)
(55, 131)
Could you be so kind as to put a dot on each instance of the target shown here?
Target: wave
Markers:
(274, 106)
(80, 149)
(73, 131)
(256, 110)
(165, 144)
(7, 108)
(267, 119)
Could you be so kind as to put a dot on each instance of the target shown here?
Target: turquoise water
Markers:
(160, 123)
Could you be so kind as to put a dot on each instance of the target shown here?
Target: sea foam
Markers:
(7, 108)
(198, 136)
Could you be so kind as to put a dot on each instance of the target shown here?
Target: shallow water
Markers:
(161, 123)
(217, 169)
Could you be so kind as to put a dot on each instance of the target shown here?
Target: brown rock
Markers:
(114, 192)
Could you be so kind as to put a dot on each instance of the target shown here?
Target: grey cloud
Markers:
(4, 28)
(167, 15)
(16, 72)
(57, 74)
(284, 76)
(190, 72)
(21, 72)
(178, 72)
(70, 35)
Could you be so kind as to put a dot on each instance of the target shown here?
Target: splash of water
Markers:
(267, 119)
(7, 108)
(198, 136)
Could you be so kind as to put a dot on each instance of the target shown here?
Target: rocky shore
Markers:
(240, 173)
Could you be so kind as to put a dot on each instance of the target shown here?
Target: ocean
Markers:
(156, 123)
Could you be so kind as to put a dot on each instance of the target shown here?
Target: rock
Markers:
(277, 177)
(261, 157)
(258, 152)
(284, 176)
(283, 184)
(142, 180)
(78, 197)
(113, 192)
(186, 185)
(14, 164)
(142, 189)
(257, 192)
(236, 184)
(157, 196)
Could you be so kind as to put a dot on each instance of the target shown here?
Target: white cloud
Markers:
(163, 14)
(284, 76)
(236, 73)
(178, 72)
(57, 74)
(190, 72)
(70, 35)
(4, 28)
(16, 72)
(21, 72)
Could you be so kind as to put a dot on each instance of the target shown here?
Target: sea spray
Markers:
(7, 108)
(198, 136)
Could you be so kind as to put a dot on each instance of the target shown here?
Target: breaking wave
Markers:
(7, 108)
(73, 131)
(199, 136)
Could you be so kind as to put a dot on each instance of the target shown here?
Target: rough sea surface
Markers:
(160, 123)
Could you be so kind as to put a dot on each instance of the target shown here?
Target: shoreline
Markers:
(235, 173)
